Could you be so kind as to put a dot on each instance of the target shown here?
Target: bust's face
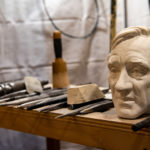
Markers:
(129, 77)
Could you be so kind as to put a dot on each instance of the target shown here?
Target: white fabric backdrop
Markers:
(26, 46)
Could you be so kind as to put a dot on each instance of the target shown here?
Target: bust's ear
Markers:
(108, 57)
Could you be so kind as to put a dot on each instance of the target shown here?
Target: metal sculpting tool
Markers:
(100, 106)
(52, 107)
(51, 100)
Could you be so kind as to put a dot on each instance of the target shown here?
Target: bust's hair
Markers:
(129, 33)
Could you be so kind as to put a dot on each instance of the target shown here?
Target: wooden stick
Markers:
(113, 20)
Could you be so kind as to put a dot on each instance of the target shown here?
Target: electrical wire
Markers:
(69, 35)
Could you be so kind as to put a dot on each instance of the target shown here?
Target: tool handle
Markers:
(10, 87)
(140, 125)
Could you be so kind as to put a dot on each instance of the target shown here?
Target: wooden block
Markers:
(84, 93)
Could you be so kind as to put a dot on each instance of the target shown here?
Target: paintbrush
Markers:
(59, 68)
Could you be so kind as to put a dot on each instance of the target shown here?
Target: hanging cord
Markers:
(149, 5)
(69, 35)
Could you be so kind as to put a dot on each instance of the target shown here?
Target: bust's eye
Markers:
(137, 70)
(114, 68)
(114, 63)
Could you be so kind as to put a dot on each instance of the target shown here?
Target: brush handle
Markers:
(57, 44)
(59, 68)
(59, 77)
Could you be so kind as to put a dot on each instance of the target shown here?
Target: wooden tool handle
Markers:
(59, 68)
(113, 20)
(60, 76)
(144, 123)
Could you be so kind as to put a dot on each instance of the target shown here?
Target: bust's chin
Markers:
(129, 113)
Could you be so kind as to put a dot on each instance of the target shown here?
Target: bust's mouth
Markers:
(125, 98)
(129, 99)
(126, 102)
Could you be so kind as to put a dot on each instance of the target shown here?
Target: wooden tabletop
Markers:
(101, 130)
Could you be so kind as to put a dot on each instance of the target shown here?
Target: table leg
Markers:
(52, 144)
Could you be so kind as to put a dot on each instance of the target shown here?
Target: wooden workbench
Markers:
(101, 130)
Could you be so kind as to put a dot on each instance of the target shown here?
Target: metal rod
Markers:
(51, 100)
(99, 107)
(24, 100)
(75, 106)
(53, 107)
(31, 97)
(30, 103)
(78, 110)
(9, 87)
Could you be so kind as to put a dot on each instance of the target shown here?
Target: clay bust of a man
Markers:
(129, 72)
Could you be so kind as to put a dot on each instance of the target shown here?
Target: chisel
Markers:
(100, 106)
(52, 107)
(49, 101)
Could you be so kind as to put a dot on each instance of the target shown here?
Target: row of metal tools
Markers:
(48, 100)
(14, 94)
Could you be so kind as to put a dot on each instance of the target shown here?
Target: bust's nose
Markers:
(123, 83)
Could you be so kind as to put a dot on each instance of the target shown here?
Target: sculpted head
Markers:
(129, 72)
